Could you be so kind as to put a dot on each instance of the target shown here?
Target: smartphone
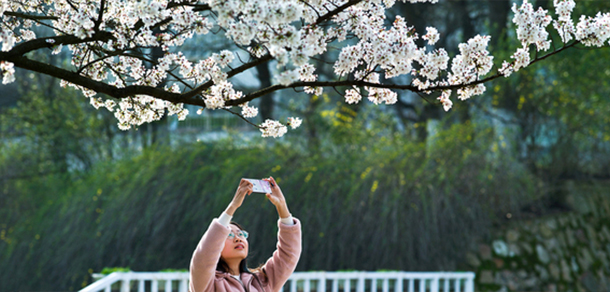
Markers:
(260, 186)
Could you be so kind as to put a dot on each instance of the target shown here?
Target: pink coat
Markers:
(205, 278)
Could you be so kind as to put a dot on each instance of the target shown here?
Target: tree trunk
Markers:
(158, 133)
(266, 103)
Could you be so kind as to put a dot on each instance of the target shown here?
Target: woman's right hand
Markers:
(244, 188)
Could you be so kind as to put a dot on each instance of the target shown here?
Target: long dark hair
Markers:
(222, 266)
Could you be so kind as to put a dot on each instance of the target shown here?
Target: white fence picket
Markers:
(154, 286)
(411, 285)
(183, 285)
(322, 283)
(360, 286)
(398, 285)
(168, 285)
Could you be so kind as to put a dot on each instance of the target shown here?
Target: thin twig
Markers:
(243, 118)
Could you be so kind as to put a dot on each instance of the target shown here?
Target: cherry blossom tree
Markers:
(111, 44)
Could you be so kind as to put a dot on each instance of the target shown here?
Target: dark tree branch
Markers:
(98, 22)
(312, 8)
(336, 11)
(72, 5)
(230, 74)
(132, 90)
(196, 7)
(191, 97)
(50, 42)
(495, 76)
(259, 93)
(29, 16)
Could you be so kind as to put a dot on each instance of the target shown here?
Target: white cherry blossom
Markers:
(353, 96)
(8, 72)
(294, 122)
(431, 35)
(248, 111)
(445, 101)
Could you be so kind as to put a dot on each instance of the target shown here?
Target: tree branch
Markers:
(29, 16)
(264, 91)
(40, 43)
(336, 11)
(243, 118)
(259, 93)
(98, 22)
(196, 7)
(495, 76)
(100, 87)
(230, 74)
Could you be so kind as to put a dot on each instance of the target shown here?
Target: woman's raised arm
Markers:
(206, 255)
(284, 260)
(277, 199)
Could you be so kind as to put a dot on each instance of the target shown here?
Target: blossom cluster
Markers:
(8, 72)
(271, 128)
(289, 31)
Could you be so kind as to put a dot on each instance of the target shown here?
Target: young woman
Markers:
(219, 261)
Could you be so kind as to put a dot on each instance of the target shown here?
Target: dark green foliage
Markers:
(377, 202)
(560, 106)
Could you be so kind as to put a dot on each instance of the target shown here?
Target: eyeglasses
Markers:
(242, 233)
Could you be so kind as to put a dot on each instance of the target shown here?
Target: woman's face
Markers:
(236, 245)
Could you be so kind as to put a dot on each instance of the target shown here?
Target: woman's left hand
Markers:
(277, 198)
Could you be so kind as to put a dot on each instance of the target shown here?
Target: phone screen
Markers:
(260, 186)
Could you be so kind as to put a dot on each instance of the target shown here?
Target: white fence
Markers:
(300, 282)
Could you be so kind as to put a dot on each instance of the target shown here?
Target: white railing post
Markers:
(183, 286)
(411, 284)
(360, 286)
(434, 285)
(398, 285)
(335, 287)
(470, 283)
(168, 285)
(140, 285)
(322, 282)
(154, 287)
(293, 285)
(125, 283)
